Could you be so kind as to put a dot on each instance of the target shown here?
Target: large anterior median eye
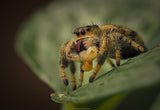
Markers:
(83, 32)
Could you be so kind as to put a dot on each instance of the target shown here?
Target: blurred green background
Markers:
(40, 37)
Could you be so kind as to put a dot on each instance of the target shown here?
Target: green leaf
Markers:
(108, 104)
(141, 99)
(156, 104)
(141, 71)
(40, 37)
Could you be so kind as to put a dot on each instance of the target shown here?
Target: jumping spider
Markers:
(104, 42)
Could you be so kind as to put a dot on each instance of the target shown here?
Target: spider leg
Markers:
(70, 51)
(81, 76)
(72, 69)
(98, 66)
(110, 62)
(103, 52)
(115, 44)
(117, 57)
(132, 43)
(63, 63)
(119, 36)
(73, 56)
(117, 53)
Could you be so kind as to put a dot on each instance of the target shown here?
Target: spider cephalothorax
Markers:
(103, 42)
(86, 35)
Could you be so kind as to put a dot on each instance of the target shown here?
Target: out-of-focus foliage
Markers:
(41, 36)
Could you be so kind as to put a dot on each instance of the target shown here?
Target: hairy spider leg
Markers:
(81, 76)
(63, 75)
(117, 57)
(101, 58)
(63, 63)
(127, 40)
(110, 62)
(72, 69)
(117, 53)
(96, 70)
(132, 43)
(117, 48)
(71, 56)
(114, 39)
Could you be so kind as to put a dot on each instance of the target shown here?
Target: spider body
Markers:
(104, 42)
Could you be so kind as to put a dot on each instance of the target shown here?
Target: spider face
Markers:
(104, 42)
(86, 32)
(84, 35)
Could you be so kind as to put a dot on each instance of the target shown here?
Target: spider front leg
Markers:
(64, 62)
(63, 65)
(72, 69)
(71, 51)
(103, 52)
(85, 57)
(81, 76)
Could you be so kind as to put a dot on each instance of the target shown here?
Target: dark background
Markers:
(20, 89)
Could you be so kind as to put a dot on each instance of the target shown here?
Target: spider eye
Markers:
(83, 32)
(77, 33)
(88, 29)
